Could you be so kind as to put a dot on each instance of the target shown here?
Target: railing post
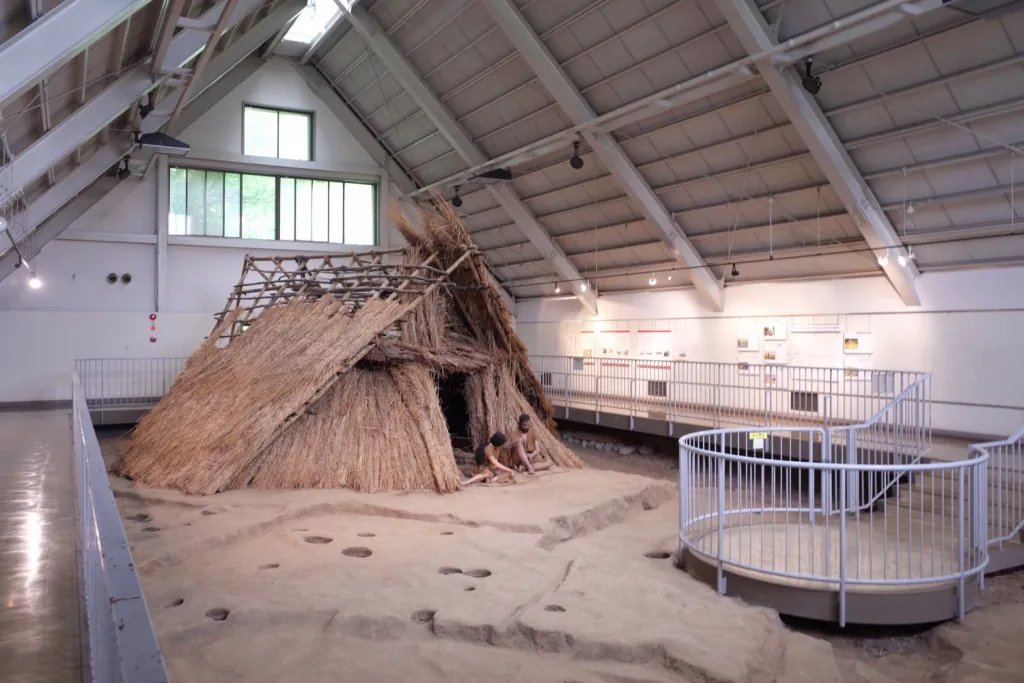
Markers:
(597, 391)
(684, 496)
(842, 550)
(632, 391)
(827, 503)
(852, 476)
(721, 517)
(960, 598)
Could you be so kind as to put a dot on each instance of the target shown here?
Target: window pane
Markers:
(337, 201)
(232, 205)
(178, 220)
(294, 135)
(360, 214)
(287, 219)
(304, 210)
(196, 203)
(258, 207)
(320, 210)
(215, 204)
(260, 132)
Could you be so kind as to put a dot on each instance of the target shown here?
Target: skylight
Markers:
(313, 21)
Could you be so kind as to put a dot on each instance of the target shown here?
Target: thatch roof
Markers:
(322, 374)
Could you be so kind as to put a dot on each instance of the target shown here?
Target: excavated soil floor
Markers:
(564, 578)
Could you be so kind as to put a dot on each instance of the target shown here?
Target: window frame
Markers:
(283, 174)
(311, 115)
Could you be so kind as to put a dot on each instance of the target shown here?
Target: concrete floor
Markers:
(39, 607)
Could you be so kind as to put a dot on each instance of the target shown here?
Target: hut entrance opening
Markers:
(451, 389)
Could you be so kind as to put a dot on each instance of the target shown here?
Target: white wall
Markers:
(969, 333)
(77, 314)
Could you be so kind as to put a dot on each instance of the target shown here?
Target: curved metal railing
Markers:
(820, 508)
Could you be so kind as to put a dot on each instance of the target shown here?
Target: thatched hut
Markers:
(347, 371)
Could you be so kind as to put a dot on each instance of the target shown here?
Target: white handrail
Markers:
(122, 644)
(804, 516)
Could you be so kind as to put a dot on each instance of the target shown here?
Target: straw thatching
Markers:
(323, 373)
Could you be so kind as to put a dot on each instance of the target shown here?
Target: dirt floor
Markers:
(565, 578)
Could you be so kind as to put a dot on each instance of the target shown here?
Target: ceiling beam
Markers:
(814, 128)
(55, 39)
(58, 207)
(232, 63)
(461, 142)
(85, 122)
(579, 111)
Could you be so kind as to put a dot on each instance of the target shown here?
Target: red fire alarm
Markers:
(152, 316)
(152, 340)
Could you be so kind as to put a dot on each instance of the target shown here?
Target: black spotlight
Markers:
(812, 84)
(123, 172)
(147, 108)
(735, 271)
(576, 161)
(457, 200)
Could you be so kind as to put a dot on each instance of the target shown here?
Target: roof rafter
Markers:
(569, 98)
(78, 128)
(817, 133)
(439, 115)
(55, 39)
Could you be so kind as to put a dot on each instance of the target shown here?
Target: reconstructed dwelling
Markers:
(352, 373)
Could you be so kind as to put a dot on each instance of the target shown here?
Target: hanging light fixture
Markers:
(558, 288)
(883, 260)
(668, 279)
(123, 172)
(583, 286)
(901, 259)
(576, 161)
(34, 282)
(457, 200)
(652, 281)
(735, 271)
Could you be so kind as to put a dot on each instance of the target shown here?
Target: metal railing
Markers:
(1005, 487)
(725, 394)
(122, 647)
(126, 382)
(836, 506)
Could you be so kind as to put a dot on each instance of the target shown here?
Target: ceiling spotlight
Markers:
(883, 260)
(583, 286)
(123, 173)
(653, 281)
(811, 83)
(901, 259)
(147, 108)
(3, 224)
(911, 208)
(735, 271)
(668, 279)
(457, 200)
(34, 282)
(558, 288)
(576, 161)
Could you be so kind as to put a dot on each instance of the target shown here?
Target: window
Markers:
(314, 20)
(265, 207)
(276, 133)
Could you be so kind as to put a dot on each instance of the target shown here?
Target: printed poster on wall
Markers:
(613, 343)
(653, 343)
(774, 329)
(858, 343)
